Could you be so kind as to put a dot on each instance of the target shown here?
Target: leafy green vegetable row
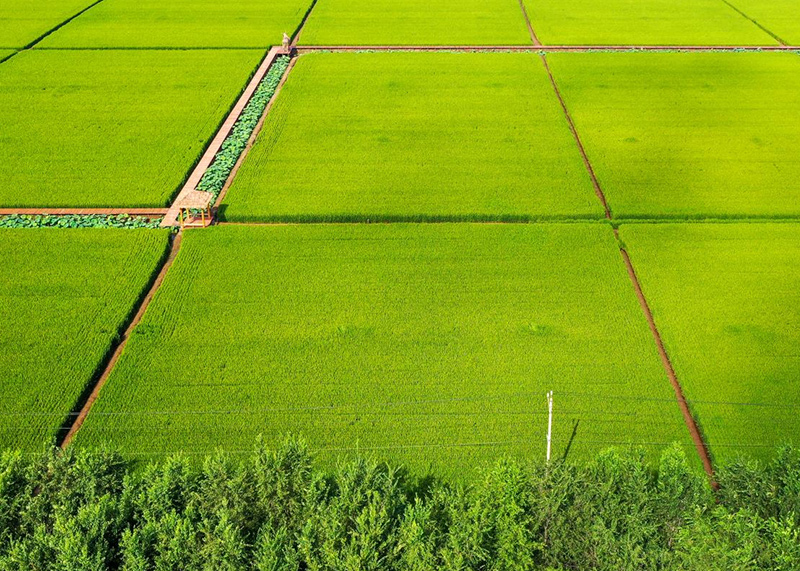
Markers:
(214, 178)
(78, 221)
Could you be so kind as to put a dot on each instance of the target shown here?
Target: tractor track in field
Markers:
(78, 416)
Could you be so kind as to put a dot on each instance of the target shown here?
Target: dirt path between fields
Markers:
(694, 430)
(689, 420)
(546, 48)
(140, 212)
(534, 38)
(80, 417)
(595, 183)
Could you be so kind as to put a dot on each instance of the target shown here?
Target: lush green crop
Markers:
(110, 128)
(23, 21)
(64, 295)
(726, 298)
(5, 53)
(780, 17)
(414, 136)
(433, 344)
(416, 22)
(643, 22)
(183, 23)
(217, 174)
(688, 134)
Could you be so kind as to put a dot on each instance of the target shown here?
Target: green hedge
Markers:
(275, 511)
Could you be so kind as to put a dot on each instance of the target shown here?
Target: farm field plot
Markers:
(409, 136)
(432, 344)
(23, 21)
(64, 295)
(644, 22)
(416, 22)
(689, 135)
(5, 53)
(726, 298)
(182, 23)
(781, 17)
(96, 128)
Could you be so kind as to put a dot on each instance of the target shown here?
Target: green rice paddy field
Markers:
(727, 300)
(643, 22)
(432, 337)
(64, 297)
(101, 128)
(23, 21)
(416, 22)
(434, 344)
(704, 135)
(780, 17)
(182, 23)
(414, 136)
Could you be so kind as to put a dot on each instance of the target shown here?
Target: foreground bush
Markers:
(275, 511)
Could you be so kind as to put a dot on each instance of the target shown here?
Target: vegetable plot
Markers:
(414, 136)
(726, 299)
(110, 128)
(689, 135)
(64, 296)
(431, 344)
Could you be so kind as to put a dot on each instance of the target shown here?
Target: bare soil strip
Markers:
(142, 212)
(694, 430)
(597, 190)
(548, 48)
(171, 218)
(762, 28)
(78, 419)
(534, 39)
(251, 141)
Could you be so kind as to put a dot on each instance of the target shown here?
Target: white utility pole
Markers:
(549, 422)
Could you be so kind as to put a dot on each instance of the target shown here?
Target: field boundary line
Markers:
(762, 28)
(595, 183)
(59, 26)
(534, 37)
(171, 218)
(548, 48)
(299, 30)
(143, 212)
(252, 139)
(689, 420)
(76, 424)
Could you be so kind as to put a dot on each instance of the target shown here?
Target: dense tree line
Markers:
(276, 511)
